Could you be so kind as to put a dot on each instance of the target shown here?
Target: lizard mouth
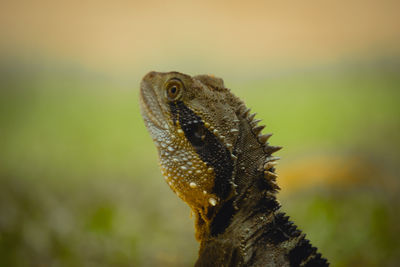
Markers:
(150, 107)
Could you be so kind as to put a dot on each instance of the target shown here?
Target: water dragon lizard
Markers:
(214, 157)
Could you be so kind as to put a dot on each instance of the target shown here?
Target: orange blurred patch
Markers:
(333, 171)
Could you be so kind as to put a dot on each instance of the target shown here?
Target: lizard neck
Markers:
(249, 229)
(250, 179)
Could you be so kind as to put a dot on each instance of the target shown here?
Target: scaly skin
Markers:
(214, 157)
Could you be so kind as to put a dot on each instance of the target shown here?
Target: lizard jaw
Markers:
(150, 107)
(152, 112)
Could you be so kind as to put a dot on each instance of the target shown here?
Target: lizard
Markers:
(213, 155)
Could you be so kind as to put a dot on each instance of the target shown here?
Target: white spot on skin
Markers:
(193, 185)
(184, 168)
(205, 192)
(212, 201)
(210, 170)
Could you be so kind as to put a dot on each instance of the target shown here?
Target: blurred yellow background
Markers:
(79, 182)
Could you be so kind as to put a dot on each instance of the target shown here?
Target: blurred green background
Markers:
(79, 178)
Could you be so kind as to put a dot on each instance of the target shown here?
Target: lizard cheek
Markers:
(188, 176)
(209, 148)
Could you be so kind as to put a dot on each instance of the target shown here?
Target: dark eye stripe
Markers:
(210, 149)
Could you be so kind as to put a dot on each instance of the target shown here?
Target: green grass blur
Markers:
(80, 184)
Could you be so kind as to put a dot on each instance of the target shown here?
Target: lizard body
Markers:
(213, 156)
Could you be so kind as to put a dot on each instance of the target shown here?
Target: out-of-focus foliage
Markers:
(79, 183)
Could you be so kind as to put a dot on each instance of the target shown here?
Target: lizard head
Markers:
(198, 127)
(194, 126)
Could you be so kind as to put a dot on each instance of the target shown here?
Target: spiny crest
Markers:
(268, 168)
(244, 112)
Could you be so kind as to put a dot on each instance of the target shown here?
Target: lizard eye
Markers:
(173, 89)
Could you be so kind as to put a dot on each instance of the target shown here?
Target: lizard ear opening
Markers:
(173, 89)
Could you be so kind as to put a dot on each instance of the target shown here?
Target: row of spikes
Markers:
(257, 129)
(270, 161)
